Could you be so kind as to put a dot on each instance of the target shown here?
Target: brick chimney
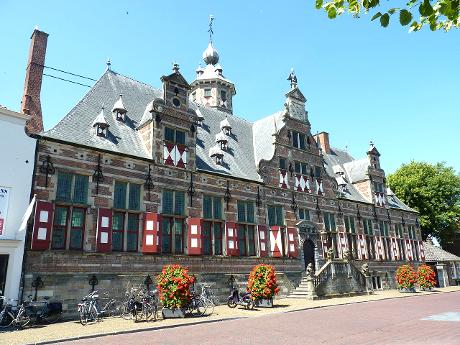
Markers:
(323, 141)
(33, 82)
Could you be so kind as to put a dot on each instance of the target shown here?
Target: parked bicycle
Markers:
(90, 310)
(244, 299)
(209, 299)
(141, 305)
(30, 313)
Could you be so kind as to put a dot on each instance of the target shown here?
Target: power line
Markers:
(67, 80)
(62, 71)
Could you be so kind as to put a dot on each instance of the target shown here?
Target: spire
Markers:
(210, 55)
(211, 32)
(108, 63)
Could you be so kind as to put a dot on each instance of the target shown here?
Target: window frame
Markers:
(71, 197)
(62, 228)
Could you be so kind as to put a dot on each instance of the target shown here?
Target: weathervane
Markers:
(211, 32)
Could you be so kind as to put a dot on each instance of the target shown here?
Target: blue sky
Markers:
(362, 82)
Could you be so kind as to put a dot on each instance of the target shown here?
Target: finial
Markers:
(211, 32)
(292, 78)
(176, 67)
(371, 143)
(108, 63)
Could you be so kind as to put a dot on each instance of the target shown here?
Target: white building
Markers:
(17, 151)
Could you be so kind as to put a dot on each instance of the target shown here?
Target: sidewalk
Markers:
(73, 329)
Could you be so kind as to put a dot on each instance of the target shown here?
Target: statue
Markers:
(346, 255)
(292, 78)
(365, 269)
(309, 270)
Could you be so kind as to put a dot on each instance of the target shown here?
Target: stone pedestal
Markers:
(311, 288)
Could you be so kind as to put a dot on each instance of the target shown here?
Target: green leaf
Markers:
(405, 17)
(319, 4)
(331, 12)
(425, 8)
(375, 16)
(385, 20)
(392, 10)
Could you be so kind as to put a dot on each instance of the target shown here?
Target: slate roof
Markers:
(395, 202)
(437, 254)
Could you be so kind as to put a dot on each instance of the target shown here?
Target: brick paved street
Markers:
(393, 321)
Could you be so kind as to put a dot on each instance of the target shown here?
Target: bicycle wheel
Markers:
(200, 308)
(126, 313)
(138, 315)
(5, 319)
(231, 302)
(53, 318)
(147, 311)
(154, 312)
(114, 309)
(209, 304)
(92, 314)
(22, 319)
(82, 310)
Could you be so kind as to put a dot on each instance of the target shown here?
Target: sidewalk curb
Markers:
(155, 328)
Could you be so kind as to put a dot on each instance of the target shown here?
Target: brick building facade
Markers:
(171, 175)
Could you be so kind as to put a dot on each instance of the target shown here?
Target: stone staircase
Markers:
(305, 290)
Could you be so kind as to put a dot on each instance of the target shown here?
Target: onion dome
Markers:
(225, 126)
(210, 55)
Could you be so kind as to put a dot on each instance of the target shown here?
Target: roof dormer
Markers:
(119, 110)
(176, 89)
(225, 126)
(222, 140)
(101, 125)
(216, 153)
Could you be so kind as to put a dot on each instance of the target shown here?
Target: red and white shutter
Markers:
(180, 155)
(362, 246)
(195, 246)
(104, 230)
(43, 221)
(151, 238)
(379, 250)
(292, 243)
(283, 183)
(409, 250)
(232, 239)
(421, 250)
(263, 240)
(276, 242)
(168, 154)
(394, 249)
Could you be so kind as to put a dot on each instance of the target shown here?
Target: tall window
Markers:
(351, 234)
(413, 240)
(385, 234)
(369, 233)
(283, 163)
(300, 168)
(72, 188)
(246, 228)
(275, 215)
(212, 225)
(303, 214)
(174, 135)
(298, 140)
(68, 227)
(207, 92)
(400, 239)
(172, 223)
(330, 226)
(125, 220)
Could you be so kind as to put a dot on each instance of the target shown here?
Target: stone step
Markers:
(301, 293)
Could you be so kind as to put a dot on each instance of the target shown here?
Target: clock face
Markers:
(176, 102)
(297, 110)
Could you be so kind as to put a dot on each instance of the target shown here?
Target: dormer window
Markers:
(226, 127)
(100, 124)
(216, 153)
(119, 110)
(207, 92)
(223, 98)
(222, 140)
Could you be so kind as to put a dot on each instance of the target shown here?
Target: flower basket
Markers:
(426, 277)
(173, 313)
(173, 284)
(262, 285)
(406, 278)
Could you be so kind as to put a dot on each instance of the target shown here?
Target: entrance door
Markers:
(3, 268)
(309, 253)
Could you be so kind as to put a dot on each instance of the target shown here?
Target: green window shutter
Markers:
(207, 207)
(241, 211)
(297, 168)
(302, 141)
(352, 225)
(217, 208)
(333, 227)
(80, 191)
(60, 216)
(179, 207)
(119, 198)
(64, 186)
(271, 215)
(301, 213)
(180, 137)
(370, 226)
(168, 201)
(169, 134)
(279, 215)
(134, 196)
(250, 212)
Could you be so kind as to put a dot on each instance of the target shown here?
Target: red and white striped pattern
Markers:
(379, 199)
(421, 250)
(175, 155)
(284, 183)
(302, 183)
(276, 242)
(319, 186)
(362, 251)
(395, 248)
(409, 253)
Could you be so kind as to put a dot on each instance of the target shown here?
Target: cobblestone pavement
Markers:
(322, 321)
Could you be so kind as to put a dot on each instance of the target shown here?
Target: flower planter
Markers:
(264, 303)
(410, 290)
(173, 313)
